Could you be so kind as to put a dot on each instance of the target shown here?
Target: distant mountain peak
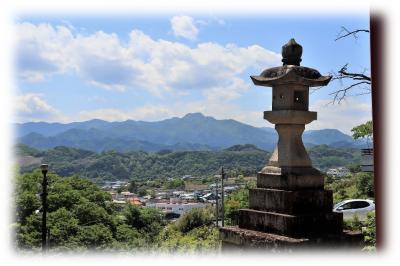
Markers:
(96, 120)
(194, 115)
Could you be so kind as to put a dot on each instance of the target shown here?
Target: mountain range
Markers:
(194, 131)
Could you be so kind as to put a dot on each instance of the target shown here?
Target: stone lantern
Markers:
(290, 91)
(289, 206)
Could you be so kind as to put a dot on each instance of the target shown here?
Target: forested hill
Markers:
(111, 165)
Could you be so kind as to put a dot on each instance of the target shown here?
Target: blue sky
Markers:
(152, 67)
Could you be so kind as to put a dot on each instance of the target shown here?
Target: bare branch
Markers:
(355, 76)
(339, 95)
(350, 81)
(345, 32)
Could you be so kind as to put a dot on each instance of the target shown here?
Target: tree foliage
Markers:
(238, 199)
(362, 131)
(369, 232)
(194, 218)
(358, 185)
(80, 217)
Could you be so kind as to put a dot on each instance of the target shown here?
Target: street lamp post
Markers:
(44, 168)
(216, 200)
(222, 196)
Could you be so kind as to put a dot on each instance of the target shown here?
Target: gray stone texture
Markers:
(291, 202)
(238, 239)
(302, 225)
(306, 178)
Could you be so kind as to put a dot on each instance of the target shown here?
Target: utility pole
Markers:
(44, 168)
(216, 200)
(222, 195)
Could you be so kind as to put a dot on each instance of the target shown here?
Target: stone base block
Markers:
(291, 202)
(290, 178)
(304, 225)
(237, 239)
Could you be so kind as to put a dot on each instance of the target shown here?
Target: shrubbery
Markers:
(193, 231)
(359, 185)
(194, 218)
(369, 232)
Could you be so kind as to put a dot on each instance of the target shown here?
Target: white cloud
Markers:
(184, 26)
(41, 50)
(344, 116)
(32, 107)
(158, 66)
(230, 92)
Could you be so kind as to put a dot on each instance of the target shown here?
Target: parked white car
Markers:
(359, 207)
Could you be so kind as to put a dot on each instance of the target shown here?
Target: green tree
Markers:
(27, 203)
(370, 232)
(132, 216)
(175, 183)
(238, 199)
(74, 206)
(96, 236)
(365, 185)
(194, 218)
(63, 228)
(142, 191)
(89, 213)
(200, 239)
(363, 131)
(192, 232)
(128, 238)
(28, 233)
(132, 187)
(146, 220)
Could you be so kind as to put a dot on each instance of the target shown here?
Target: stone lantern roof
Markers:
(291, 71)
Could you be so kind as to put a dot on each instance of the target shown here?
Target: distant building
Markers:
(338, 172)
(187, 196)
(119, 201)
(162, 195)
(177, 193)
(177, 208)
(113, 184)
(127, 194)
(187, 177)
(134, 201)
